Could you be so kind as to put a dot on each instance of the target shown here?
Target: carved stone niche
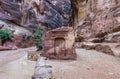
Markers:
(59, 44)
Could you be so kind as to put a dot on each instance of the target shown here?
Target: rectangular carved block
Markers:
(58, 44)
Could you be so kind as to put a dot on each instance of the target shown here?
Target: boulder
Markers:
(105, 48)
(118, 46)
(34, 56)
(113, 37)
(79, 39)
(88, 46)
(94, 40)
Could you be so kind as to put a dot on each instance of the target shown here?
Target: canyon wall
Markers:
(89, 18)
(48, 14)
(96, 18)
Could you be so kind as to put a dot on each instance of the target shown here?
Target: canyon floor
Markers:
(90, 64)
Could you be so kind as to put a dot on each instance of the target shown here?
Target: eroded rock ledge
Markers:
(107, 48)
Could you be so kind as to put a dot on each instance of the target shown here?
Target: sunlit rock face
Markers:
(100, 17)
(21, 37)
(20, 31)
(90, 18)
(106, 3)
(78, 11)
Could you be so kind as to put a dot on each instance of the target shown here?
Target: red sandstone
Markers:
(59, 44)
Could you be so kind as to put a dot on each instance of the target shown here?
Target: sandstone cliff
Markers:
(96, 18)
(90, 18)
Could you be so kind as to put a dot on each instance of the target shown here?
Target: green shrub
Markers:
(38, 36)
(5, 35)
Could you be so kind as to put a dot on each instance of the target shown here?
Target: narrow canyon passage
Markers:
(95, 25)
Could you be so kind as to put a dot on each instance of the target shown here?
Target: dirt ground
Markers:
(14, 64)
(90, 64)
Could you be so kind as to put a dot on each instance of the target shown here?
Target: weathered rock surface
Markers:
(108, 48)
(21, 37)
(17, 30)
(58, 44)
(104, 48)
(23, 41)
(19, 42)
(34, 56)
(99, 18)
(113, 37)
(2, 48)
(55, 13)
(94, 40)
(36, 13)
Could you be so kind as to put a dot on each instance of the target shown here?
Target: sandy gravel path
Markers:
(90, 64)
